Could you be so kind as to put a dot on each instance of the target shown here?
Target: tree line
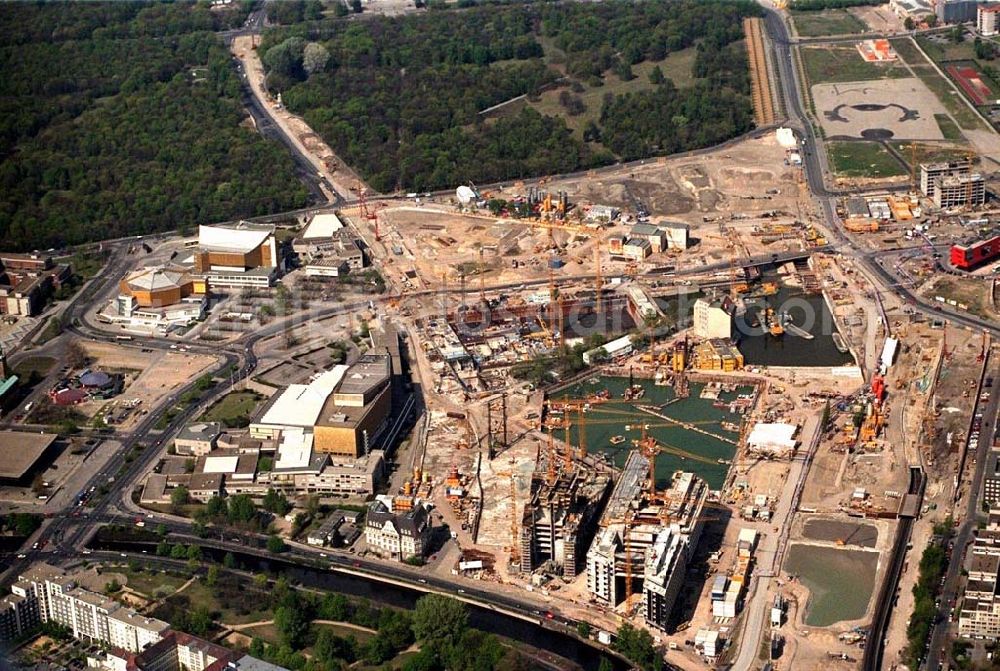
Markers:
(401, 98)
(126, 118)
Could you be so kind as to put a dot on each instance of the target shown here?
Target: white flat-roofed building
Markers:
(295, 450)
(713, 318)
(773, 438)
(323, 226)
(131, 631)
(618, 347)
(223, 464)
(334, 267)
(298, 405)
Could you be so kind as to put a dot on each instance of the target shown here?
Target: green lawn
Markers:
(952, 100)
(397, 662)
(907, 50)
(828, 64)
(828, 22)
(949, 128)
(948, 51)
(862, 159)
(340, 630)
(233, 408)
(676, 67)
(949, 97)
(928, 152)
(148, 583)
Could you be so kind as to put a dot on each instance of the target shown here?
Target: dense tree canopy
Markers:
(124, 118)
(401, 98)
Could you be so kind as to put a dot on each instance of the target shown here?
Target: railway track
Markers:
(760, 81)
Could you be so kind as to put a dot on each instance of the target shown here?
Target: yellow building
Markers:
(358, 409)
(159, 287)
(718, 354)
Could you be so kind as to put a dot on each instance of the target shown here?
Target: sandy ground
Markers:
(879, 19)
(159, 374)
(906, 107)
(748, 192)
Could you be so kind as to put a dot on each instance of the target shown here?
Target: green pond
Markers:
(687, 449)
(840, 581)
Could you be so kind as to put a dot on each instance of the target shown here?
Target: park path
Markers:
(261, 623)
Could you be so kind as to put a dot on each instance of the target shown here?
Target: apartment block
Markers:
(47, 593)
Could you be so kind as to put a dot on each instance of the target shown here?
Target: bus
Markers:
(123, 337)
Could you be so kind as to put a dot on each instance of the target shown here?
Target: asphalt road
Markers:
(969, 519)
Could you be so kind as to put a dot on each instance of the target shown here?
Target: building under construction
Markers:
(560, 518)
(646, 540)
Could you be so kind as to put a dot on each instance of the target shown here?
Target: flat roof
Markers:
(242, 237)
(295, 450)
(773, 435)
(20, 450)
(365, 375)
(323, 226)
(300, 404)
(200, 431)
(334, 414)
(221, 464)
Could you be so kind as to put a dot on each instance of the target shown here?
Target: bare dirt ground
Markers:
(151, 377)
(879, 19)
(749, 188)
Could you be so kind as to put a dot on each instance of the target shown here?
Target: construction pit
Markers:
(750, 197)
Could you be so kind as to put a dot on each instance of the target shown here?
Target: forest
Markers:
(401, 98)
(125, 119)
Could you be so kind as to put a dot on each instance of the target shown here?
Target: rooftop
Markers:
(242, 237)
(200, 431)
(322, 226)
(301, 404)
(295, 450)
(154, 279)
(368, 373)
(20, 450)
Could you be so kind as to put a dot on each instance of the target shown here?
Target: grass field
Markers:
(828, 22)
(949, 97)
(152, 584)
(830, 64)
(677, 67)
(232, 408)
(929, 152)
(945, 92)
(907, 50)
(947, 51)
(862, 159)
(949, 128)
(973, 295)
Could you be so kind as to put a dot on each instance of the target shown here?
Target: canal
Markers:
(806, 311)
(568, 647)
